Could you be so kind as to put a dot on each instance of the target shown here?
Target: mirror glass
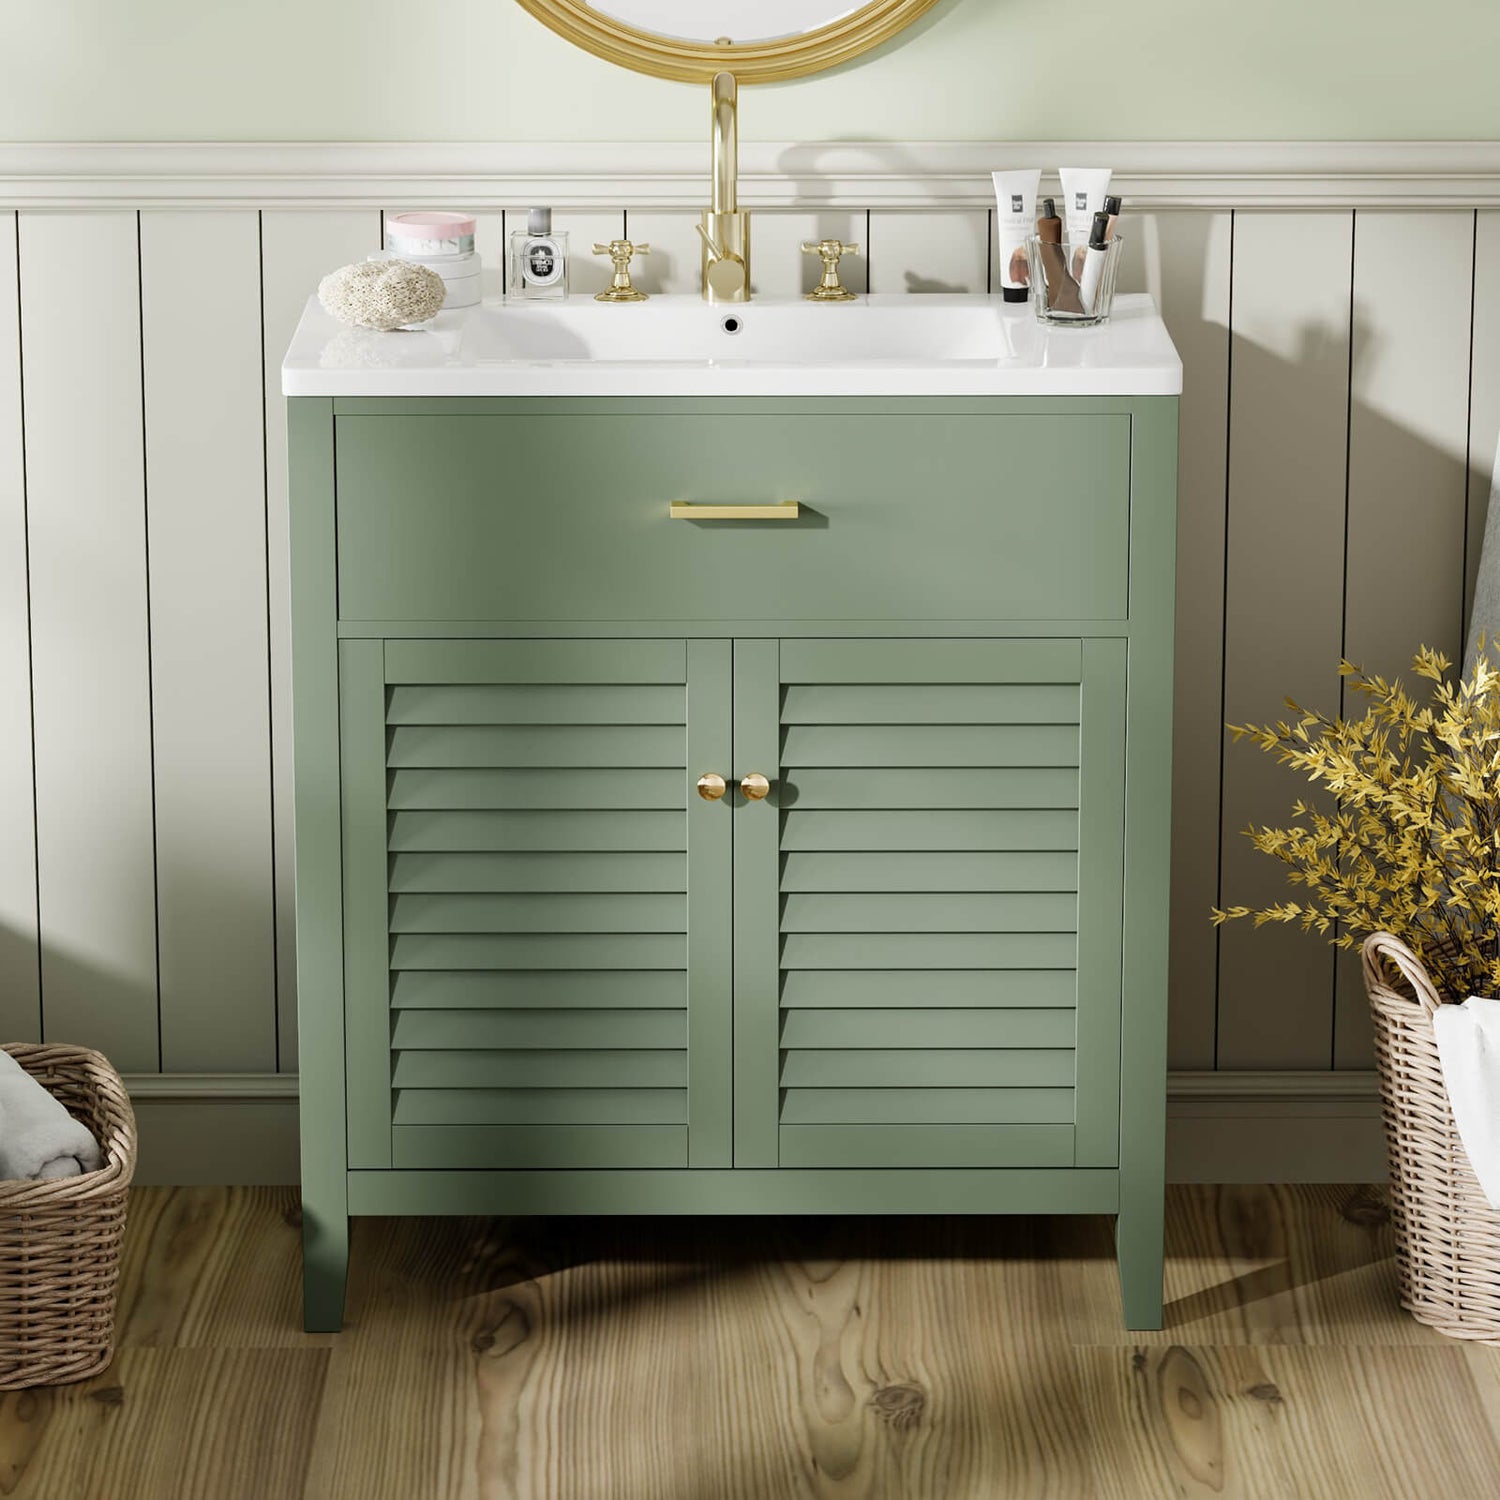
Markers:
(740, 22)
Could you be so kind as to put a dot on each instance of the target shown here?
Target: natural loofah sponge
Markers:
(382, 294)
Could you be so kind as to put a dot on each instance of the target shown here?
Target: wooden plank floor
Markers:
(946, 1359)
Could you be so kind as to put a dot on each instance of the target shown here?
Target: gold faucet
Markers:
(725, 227)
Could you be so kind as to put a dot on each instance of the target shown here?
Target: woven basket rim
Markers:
(117, 1138)
(1388, 966)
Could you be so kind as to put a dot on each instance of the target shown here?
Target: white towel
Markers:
(1468, 1042)
(38, 1137)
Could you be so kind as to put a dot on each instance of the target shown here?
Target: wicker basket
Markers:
(1447, 1235)
(60, 1241)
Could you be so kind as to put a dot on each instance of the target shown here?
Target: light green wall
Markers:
(974, 70)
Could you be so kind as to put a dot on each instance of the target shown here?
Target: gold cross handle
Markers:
(620, 288)
(830, 252)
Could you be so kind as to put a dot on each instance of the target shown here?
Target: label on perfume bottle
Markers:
(542, 262)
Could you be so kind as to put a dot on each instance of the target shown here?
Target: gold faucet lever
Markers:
(724, 271)
(620, 288)
(830, 288)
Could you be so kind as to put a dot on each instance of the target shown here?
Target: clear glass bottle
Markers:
(538, 259)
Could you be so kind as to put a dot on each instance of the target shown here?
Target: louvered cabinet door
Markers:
(520, 841)
(928, 906)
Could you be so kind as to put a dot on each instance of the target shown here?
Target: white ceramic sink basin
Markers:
(680, 346)
(781, 333)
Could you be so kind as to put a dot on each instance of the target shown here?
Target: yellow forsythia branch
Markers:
(1408, 836)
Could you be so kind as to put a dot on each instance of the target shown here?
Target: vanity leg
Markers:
(325, 1269)
(1139, 1253)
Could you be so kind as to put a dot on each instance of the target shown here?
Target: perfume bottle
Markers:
(538, 259)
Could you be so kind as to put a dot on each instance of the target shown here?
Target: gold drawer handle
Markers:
(712, 786)
(755, 787)
(692, 510)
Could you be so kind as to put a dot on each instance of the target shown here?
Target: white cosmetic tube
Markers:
(1083, 190)
(1015, 219)
(1093, 261)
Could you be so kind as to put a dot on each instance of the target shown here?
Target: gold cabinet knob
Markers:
(712, 786)
(755, 787)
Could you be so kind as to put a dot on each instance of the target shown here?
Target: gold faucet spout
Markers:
(726, 144)
(725, 228)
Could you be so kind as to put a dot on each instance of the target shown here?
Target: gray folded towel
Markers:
(38, 1138)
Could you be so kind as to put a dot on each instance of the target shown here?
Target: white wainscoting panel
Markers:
(779, 266)
(297, 248)
(1408, 470)
(20, 985)
(1338, 312)
(947, 251)
(675, 261)
(86, 514)
(210, 675)
(1284, 600)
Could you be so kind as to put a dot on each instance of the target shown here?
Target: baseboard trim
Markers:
(1271, 1088)
(1274, 1127)
(834, 174)
(1221, 1127)
(207, 1128)
(219, 1087)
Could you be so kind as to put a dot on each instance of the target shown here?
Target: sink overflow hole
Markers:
(731, 324)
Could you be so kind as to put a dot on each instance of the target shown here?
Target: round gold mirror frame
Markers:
(755, 62)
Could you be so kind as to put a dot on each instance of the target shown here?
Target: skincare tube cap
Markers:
(1049, 208)
(1099, 233)
(539, 221)
(1112, 207)
(1014, 293)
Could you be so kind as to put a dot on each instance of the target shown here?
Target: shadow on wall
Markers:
(92, 999)
(1317, 519)
(196, 992)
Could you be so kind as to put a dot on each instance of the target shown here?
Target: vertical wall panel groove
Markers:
(80, 312)
(20, 987)
(1408, 430)
(206, 506)
(1183, 260)
(1284, 606)
(298, 247)
(1484, 392)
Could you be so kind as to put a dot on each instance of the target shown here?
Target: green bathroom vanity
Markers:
(542, 970)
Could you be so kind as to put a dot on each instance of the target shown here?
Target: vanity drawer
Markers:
(917, 515)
